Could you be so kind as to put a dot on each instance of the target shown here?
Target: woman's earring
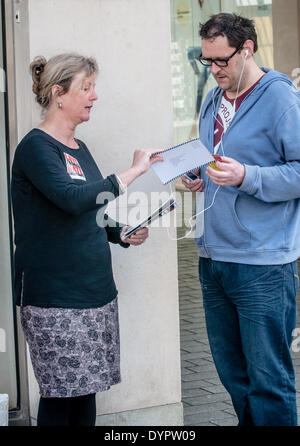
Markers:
(59, 105)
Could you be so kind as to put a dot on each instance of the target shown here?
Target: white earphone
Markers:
(246, 53)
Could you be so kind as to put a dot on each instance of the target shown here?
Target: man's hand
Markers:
(136, 239)
(193, 186)
(230, 173)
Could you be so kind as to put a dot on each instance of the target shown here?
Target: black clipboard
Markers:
(168, 206)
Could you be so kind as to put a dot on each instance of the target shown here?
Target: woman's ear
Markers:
(56, 90)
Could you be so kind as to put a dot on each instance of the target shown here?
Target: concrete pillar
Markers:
(131, 41)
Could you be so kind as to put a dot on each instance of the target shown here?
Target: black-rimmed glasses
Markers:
(207, 61)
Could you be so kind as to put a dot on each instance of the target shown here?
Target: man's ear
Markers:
(249, 47)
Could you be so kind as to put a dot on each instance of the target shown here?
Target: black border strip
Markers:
(7, 133)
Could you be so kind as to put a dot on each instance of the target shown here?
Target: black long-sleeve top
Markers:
(62, 257)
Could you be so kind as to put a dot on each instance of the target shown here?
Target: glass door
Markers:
(8, 366)
(261, 12)
(189, 80)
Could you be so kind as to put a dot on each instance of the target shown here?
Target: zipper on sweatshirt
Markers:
(207, 188)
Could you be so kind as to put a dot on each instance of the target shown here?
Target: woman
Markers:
(63, 274)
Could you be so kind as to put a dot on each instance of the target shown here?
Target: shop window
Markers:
(188, 77)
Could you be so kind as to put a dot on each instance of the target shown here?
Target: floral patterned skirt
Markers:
(73, 352)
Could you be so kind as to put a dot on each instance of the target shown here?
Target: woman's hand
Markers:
(136, 239)
(141, 163)
(142, 160)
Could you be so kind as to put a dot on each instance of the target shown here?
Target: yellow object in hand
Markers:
(213, 163)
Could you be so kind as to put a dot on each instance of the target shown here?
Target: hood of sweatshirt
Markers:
(271, 76)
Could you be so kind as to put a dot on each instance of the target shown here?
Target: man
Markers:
(251, 240)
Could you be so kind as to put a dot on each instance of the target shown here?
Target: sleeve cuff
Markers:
(124, 245)
(113, 179)
(122, 186)
(249, 185)
(121, 243)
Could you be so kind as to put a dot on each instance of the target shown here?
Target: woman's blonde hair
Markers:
(59, 70)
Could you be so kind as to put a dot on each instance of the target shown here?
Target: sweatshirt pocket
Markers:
(267, 222)
(223, 227)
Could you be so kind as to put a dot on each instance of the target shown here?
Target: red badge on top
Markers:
(73, 168)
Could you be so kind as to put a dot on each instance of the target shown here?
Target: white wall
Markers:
(131, 41)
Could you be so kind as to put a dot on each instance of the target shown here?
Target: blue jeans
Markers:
(250, 313)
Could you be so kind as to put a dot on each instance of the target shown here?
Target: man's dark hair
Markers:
(237, 29)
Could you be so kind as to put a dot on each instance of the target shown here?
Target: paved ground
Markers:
(205, 400)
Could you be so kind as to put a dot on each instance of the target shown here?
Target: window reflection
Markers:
(190, 80)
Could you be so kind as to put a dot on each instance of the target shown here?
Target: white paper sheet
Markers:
(181, 159)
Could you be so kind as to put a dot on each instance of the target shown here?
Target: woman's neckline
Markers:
(52, 137)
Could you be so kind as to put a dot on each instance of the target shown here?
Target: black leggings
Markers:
(76, 411)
